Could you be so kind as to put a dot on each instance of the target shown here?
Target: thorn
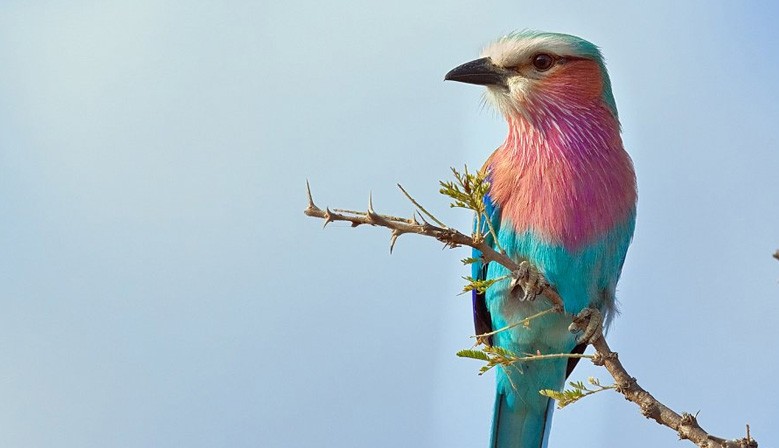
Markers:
(328, 217)
(374, 217)
(394, 238)
(424, 221)
(371, 212)
(308, 190)
(311, 206)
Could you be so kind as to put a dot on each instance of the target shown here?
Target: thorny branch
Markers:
(398, 226)
(686, 425)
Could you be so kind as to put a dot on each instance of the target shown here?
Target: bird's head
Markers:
(532, 74)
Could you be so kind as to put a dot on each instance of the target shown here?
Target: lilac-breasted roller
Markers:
(563, 198)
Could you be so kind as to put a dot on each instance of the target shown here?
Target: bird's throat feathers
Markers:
(565, 176)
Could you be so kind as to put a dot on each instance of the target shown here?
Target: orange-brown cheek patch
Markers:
(578, 78)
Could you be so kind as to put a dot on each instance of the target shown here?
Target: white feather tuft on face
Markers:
(514, 49)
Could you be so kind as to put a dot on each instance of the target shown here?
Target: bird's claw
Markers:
(529, 280)
(590, 323)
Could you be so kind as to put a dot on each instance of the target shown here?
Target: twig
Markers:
(578, 391)
(421, 209)
(551, 356)
(399, 226)
(523, 322)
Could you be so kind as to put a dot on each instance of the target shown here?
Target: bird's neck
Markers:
(564, 176)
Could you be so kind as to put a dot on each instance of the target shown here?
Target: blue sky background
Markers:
(160, 285)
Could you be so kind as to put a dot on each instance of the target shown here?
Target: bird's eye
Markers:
(543, 62)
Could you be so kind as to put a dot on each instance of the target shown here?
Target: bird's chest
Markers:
(566, 179)
(562, 201)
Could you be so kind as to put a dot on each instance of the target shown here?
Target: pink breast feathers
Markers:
(567, 179)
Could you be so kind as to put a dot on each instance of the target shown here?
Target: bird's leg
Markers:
(590, 322)
(529, 280)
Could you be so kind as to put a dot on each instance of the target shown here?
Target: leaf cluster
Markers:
(481, 285)
(467, 190)
(577, 391)
(492, 355)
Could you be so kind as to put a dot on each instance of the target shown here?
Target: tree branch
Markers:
(450, 237)
(686, 425)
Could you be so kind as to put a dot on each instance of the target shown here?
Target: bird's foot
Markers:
(590, 323)
(529, 280)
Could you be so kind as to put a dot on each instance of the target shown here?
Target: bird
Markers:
(562, 199)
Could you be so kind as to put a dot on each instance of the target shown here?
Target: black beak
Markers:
(481, 71)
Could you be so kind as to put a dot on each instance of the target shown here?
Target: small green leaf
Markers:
(474, 354)
(485, 368)
(479, 284)
(553, 394)
(502, 352)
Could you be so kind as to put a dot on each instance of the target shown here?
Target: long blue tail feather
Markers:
(520, 426)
